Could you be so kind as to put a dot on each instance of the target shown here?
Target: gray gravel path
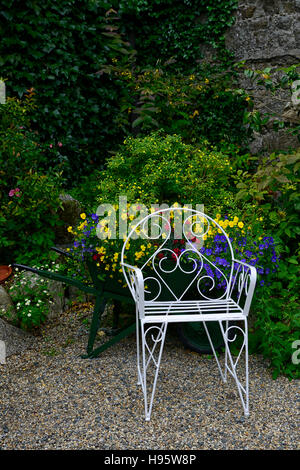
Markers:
(51, 398)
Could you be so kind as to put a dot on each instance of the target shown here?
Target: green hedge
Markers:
(58, 47)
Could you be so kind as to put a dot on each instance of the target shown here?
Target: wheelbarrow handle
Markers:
(61, 252)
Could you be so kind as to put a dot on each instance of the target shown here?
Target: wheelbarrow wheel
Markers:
(194, 337)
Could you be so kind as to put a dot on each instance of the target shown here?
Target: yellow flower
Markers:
(83, 216)
(101, 250)
(70, 229)
(240, 224)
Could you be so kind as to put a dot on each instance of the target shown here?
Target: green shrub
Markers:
(271, 198)
(31, 299)
(273, 191)
(204, 104)
(163, 169)
(277, 319)
(29, 197)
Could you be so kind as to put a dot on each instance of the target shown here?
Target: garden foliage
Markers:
(141, 98)
(29, 195)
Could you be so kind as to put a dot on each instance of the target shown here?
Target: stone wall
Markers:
(266, 33)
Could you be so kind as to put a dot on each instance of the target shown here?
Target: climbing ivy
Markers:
(176, 30)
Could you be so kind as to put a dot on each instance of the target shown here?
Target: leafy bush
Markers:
(204, 104)
(29, 197)
(274, 190)
(272, 201)
(31, 300)
(163, 169)
(277, 319)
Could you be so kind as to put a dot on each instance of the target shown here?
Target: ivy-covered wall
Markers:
(182, 30)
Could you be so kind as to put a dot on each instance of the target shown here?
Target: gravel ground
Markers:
(51, 398)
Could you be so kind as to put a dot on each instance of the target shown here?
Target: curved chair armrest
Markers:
(135, 281)
(247, 280)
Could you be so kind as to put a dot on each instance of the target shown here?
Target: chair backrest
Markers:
(183, 253)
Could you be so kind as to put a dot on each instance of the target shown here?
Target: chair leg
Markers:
(151, 355)
(138, 325)
(214, 353)
(232, 363)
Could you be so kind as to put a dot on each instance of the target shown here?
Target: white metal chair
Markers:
(190, 283)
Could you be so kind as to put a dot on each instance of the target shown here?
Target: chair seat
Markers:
(189, 311)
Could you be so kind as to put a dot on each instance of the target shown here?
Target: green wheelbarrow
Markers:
(192, 335)
(103, 291)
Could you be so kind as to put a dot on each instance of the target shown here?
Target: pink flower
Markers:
(59, 144)
(14, 192)
(51, 146)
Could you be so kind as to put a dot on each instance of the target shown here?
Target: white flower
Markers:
(28, 314)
